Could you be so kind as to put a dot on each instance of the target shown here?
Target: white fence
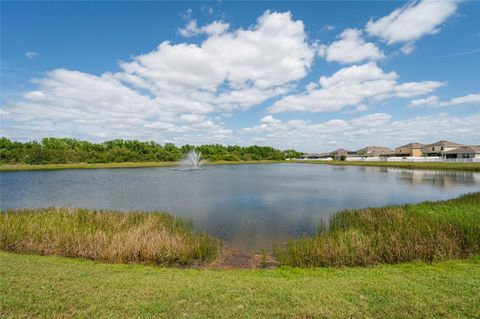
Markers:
(415, 159)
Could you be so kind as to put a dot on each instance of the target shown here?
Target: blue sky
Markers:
(314, 76)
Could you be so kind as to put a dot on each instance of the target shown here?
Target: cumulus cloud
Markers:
(181, 92)
(173, 89)
(372, 129)
(271, 53)
(411, 22)
(434, 101)
(351, 86)
(351, 48)
(251, 65)
(214, 28)
(30, 55)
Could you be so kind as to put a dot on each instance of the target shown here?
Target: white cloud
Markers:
(172, 89)
(259, 62)
(181, 92)
(351, 48)
(373, 129)
(407, 48)
(30, 55)
(412, 21)
(214, 28)
(351, 86)
(102, 107)
(270, 119)
(358, 109)
(434, 101)
(411, 89)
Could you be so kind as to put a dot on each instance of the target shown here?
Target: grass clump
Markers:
(468, 166)
(117, 237)
(428, 231)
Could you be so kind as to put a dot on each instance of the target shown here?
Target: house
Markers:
(342, 153)
(409, 150)
(439, 148)
(374, 151)
(469, 151)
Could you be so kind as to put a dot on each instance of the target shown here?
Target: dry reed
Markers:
(134, 237)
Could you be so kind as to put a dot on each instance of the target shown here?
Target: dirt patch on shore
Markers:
(233, 258)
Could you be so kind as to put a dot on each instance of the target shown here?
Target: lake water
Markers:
(249, 206)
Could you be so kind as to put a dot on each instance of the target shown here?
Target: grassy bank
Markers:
(52, 287)
(428, 231)
(409, 165)
(30, 167)
(475, 167)
(136, 237)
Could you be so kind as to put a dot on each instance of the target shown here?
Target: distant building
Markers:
(342, 153)
(409, 150)
(469, 151)
(439, 148)
(374, 151)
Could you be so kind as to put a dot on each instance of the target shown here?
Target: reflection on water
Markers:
(249, 206)
(436, 178)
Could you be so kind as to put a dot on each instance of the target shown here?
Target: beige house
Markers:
(412, 150)
(374, 151)
(341, 152)
(469, 151)
(439, 148)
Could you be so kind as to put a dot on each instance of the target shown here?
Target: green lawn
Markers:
(29, 167)
(418, 165)
(49, 287)
(413, 165)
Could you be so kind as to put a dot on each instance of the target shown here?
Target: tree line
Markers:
(52, 150)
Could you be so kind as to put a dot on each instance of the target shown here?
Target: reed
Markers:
(429, 231)
(117, 237)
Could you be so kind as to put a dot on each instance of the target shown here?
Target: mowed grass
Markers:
(56, 287)
(428, 231)
(32, 167)
(475, 167)
(117, 237)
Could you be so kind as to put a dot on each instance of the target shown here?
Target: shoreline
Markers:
(39, 167)
(473, 167)
(392, 220)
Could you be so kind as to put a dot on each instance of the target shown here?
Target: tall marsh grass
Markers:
(428, 231)
(135, 237)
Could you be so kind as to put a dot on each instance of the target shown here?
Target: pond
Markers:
(250, 206)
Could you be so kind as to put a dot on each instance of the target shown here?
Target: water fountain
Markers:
(193, 160)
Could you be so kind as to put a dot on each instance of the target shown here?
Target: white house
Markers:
(469, 151)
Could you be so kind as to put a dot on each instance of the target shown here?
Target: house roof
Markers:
(369, 149)
(443, 143)
(412, 145)
(469, 149)
(341, 151)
